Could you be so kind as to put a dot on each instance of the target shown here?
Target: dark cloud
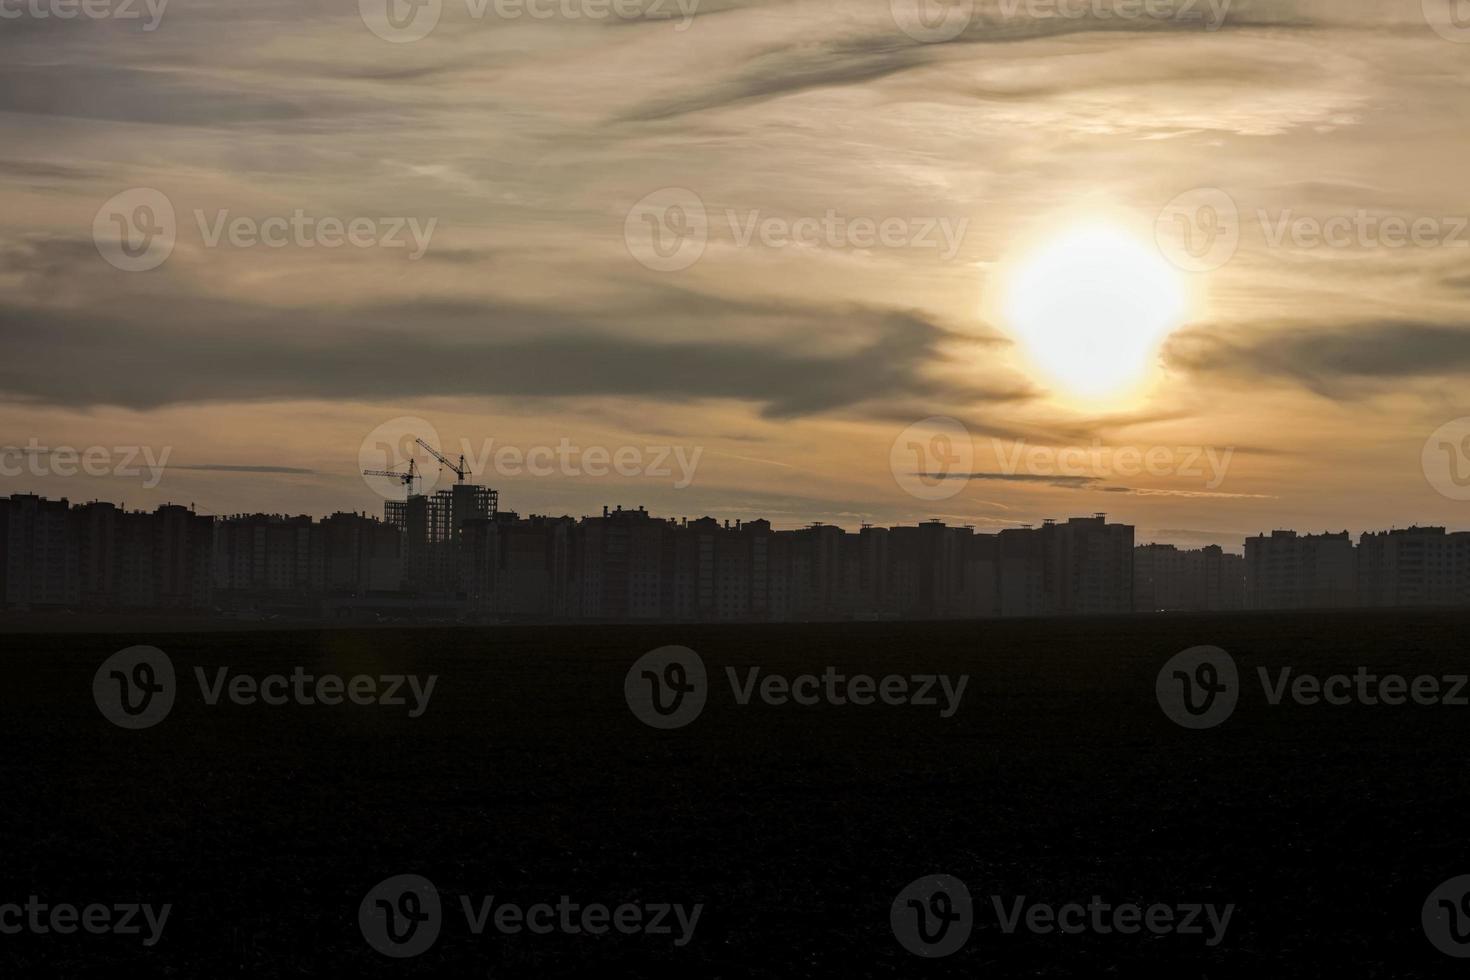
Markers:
(44, 170)
(790, 68)
(793, 68)
(205, 351)
(459, 256)
(1339, 362)
(668, 11)
(1066, 482)
(133, 95)
(1092, 483)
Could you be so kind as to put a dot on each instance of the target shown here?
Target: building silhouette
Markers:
(1091, 566)
(284, 562)
(431, 525)
(454, 555)
(1414, 566)
(518, 568)
(1166, 579)
(97, 555)
(1284, 570)
(41, 564)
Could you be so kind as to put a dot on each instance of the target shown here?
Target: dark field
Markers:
(529, 778)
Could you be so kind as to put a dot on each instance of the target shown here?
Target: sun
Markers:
(1090, 309)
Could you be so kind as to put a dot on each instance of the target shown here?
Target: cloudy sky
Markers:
(784, 243)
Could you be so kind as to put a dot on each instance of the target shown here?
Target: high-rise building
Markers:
(720, 572)
(1021, 571)
(981, 588)
(1091, 566)
(1289, 571)
(361, 554)
(99, 556)
(431, 525)
(96, 531)
(623, 567)
(268, 556)
(1167, 579)
(40, 562)
(182, 549)
(1413, 566)
(518, 568)
(821, 574)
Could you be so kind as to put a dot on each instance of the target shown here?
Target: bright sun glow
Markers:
(1090, 309)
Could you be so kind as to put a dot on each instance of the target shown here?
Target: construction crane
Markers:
(458, 471)
(407, 479)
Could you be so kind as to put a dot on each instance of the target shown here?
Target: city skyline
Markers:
(152, 467)
(376, 503)
(713, 487)
(777, 235)
(454, 554)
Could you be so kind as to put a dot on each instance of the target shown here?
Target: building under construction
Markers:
(432, 525)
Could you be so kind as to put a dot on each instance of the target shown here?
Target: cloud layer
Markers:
(530, 142)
